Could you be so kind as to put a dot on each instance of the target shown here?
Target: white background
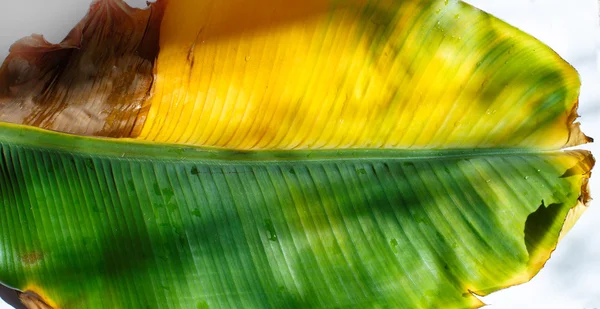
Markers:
(571, 279)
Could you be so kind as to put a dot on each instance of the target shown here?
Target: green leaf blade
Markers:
(324, 229)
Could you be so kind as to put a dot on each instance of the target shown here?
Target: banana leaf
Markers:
(284, 154)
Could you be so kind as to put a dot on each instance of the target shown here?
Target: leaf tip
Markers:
(576, 136)
(587, 164)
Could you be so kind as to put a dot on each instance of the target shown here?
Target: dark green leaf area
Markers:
(327, 232)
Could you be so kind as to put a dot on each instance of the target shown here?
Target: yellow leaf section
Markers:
(572, 217)
(272, 74)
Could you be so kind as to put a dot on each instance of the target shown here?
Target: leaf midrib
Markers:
(39, 139)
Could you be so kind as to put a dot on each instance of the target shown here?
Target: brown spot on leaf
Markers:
(95, 82)
(32, 257)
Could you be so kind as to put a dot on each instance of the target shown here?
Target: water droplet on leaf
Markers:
(271, 234)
